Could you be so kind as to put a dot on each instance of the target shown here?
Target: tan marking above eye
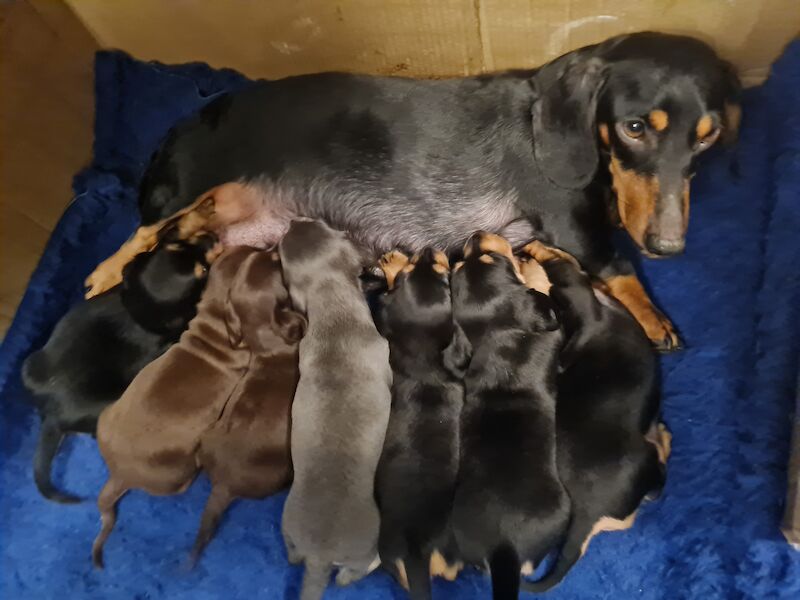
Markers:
(705, 125)
(659, 119)
(485, 258)
(441, 269)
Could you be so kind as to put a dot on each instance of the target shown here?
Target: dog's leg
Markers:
(50, 439)
(630, 292)
(218, 502)
(107, 503)
(315, 580)
(189, 221)
(419, 579)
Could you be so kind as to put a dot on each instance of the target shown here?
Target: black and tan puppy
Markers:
(510, 507)
(246, 453)
(97, 349)
(416, 475)
(611, 448)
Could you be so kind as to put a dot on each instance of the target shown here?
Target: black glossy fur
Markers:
(416, 475)
(412, 163)
(510, 506)
(608, 398)
(97, 349)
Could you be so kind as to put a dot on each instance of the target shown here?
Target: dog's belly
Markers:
(380, 224)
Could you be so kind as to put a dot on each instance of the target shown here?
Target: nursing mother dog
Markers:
(410, 163)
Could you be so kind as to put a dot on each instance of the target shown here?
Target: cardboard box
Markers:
(426, 38)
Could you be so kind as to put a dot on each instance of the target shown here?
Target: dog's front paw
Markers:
(392, 263)
(661, 331)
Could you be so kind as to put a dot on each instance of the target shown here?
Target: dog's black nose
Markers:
(664, 247)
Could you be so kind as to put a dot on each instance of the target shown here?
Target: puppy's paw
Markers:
(392, 263)
(346, 576)
(543, 254)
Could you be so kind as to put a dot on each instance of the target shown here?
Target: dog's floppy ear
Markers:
(564, 114)
(732, 108)
(290, 323)
(458, 353)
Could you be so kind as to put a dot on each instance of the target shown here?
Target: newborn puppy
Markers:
(510, 507)
(609, 442)
(417, 471)
(149, 437)
(340, 411)
(100, 345)
(246, 452)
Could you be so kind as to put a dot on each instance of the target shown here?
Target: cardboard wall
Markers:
(274, 38)
(46, 119)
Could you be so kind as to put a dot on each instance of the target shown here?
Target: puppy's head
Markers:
(651, 103)
(258, 311)
(161, 288)
(418, 290)
(311, 251)
(489, 283)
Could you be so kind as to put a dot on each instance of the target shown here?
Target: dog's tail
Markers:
(217, 504)
(570, 553)
(49, 440)
(418, 572)
(315, 580)
(504, 566)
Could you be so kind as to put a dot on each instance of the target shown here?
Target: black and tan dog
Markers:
(416, 476)
(510, 507)
(97, 349)
(412, 163)
(611, 448)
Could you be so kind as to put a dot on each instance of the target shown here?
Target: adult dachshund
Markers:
(409, 163)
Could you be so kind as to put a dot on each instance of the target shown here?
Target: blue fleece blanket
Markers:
(728, 398)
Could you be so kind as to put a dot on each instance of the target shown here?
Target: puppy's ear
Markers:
(457, 355)
(291, 324)
(542, 312)
(564, 114)
(233, 323)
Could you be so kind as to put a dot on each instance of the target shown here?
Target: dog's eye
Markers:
(708, 140)
(633, 128)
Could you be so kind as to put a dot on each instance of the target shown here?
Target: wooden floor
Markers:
(46, 120)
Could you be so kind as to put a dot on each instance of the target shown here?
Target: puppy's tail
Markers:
(315, 580)
(504, 566)
(570, 553)
(49, 440)
(418, 572)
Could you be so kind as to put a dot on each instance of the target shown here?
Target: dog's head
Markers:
(418, 292)
(161, 288)
(312, 252)
(649, 104)
(258, 311)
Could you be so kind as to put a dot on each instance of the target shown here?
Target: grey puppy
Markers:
(340, 411)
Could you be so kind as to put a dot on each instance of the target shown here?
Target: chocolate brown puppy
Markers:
(417, 472)
(246, 453)
(510, 506)
(150, 436)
